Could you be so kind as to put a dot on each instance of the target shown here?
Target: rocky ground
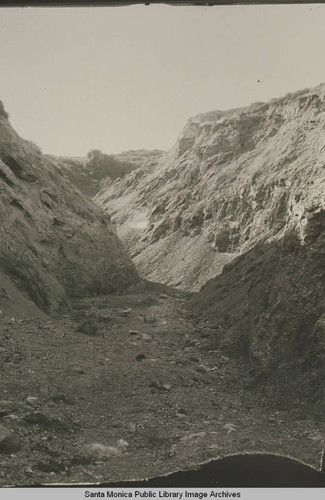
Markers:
(132, 386)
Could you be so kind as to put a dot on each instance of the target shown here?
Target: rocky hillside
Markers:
(89, 172)
(268, 306)
(54, 243)
(233, 179)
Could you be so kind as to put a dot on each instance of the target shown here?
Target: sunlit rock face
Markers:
(233, 179)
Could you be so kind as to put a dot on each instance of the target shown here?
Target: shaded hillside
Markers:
(88, 173)
(234, 178)
(268, 306)
(54, 243)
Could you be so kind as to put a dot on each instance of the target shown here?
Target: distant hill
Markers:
(87, 173)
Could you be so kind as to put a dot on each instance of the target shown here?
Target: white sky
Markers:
(119, 78)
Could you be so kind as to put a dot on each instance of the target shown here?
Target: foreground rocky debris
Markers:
(146, 392)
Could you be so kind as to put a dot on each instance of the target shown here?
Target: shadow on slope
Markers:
(268, 306)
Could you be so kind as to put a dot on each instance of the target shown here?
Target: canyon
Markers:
(162, 309)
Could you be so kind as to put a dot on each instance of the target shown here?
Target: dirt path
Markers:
(130, 387)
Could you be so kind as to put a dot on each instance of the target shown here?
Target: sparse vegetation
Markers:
(35, 147)
(3, 112)
(94, 153)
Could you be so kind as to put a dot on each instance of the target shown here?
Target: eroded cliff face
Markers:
(232, 180)
(54, 243)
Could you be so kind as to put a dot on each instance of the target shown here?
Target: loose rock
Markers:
(201, 368)
(32, 401)
(140, 357)
(100, 450)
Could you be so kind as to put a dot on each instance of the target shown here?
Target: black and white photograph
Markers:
(162, 246)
